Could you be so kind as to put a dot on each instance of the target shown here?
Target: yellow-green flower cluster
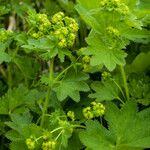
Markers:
(110, 5)
(49, 145)
(105, 75)
(86, 63)
(47, 135)
(95, 110)
(42, 28)
(71, 115)
(58, 17)
(98, 109)
(4, 35)
(88, 113)
(86, 59)
(113, 31)
(115, 5)
(123, 9)
(30, 142)
(64, 29)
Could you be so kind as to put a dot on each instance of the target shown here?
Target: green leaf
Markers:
(4, 57)
(71, 85)
(74, 140)
(18, 123)
(17, 146)
(127, 120)
(38, 45)
(27, 65)
(128, 129)
(103, 48)
(13, 136)
(89, 4)
(139, 87)
(103, 54)
(140, 63)
(96, 137)
(88, 18)
(139, 36)
(104, 91)
(12, 100)
(18, 100)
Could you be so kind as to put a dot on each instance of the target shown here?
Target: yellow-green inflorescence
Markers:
(5, 35)
(49, 145)
(113, 31)
(115, 5)
(106, 75)
(86, 63)
(95, 110)
(63, 28)
(71, 115)
(30, 142)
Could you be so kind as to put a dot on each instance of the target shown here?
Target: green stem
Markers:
(48, 92)
(60, 75)
(56, 129)
(15, 53)
(119, 88)
(3, 72)
(120, 100)
(79, 126)
(58, 135)
(124, 81)
(64, 71)
(30, 30)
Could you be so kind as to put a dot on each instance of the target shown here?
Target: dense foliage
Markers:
(74, 75)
